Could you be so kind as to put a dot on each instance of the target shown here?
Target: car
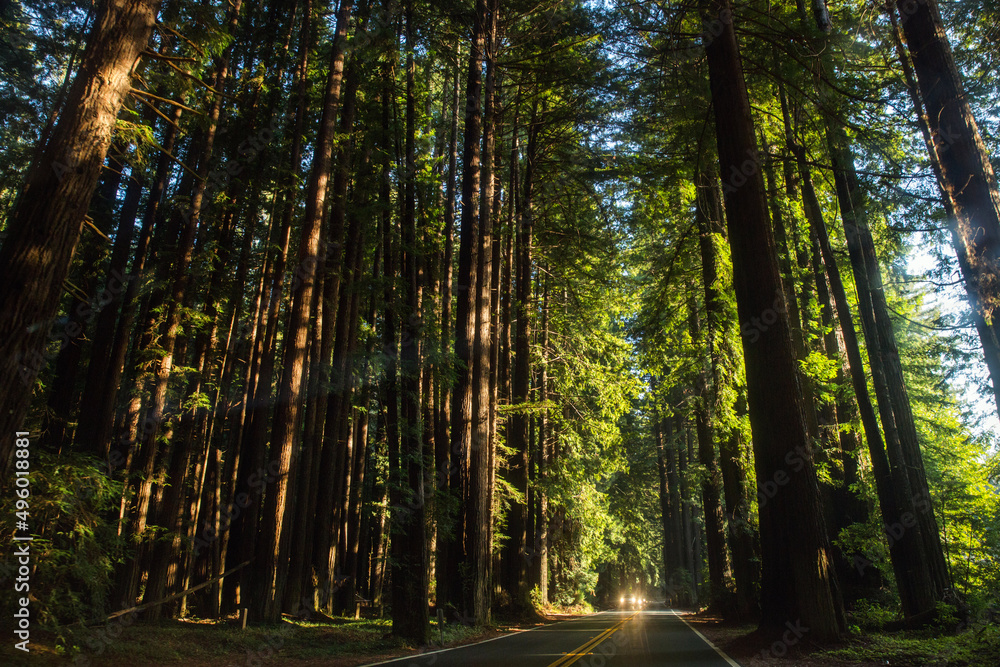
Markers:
(631, 601)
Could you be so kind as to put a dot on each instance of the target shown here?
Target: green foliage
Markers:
(40, 47)
(971, 648)
(73, 512)
(621, 101)
(966, 501)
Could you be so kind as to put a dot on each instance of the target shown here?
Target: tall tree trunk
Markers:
(845, 505)
(333, 421)
(798, 581)
(63, 395)
(249, 442)
(518, 430)
(786, 262)
(148, 448)
(962, 165)
(390, 347)
(96, 429)
(675, 562)
(689, 562)
(445, 461)
(466, 290)
(410, 573)
(97, 406)
(905, 552)
(165, 554)
(881, 343)
(358, 519)
(987, 335)
(719, 320)
(543, 445)
(45, 225)
(903, 448)
(880, 334)
(479, 524)
(665, 508)
(269, 570)
(840, 504)
(708, 213)
(250, 430)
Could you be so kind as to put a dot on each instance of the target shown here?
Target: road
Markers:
(607, 639)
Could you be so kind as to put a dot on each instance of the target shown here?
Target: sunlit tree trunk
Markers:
(479, 524)
(45, 225)
(962, 166)
(270, 566)
(798, 581)
(905, 553)
(466, 290)
(902, 446)
(148, 452)
(328, 478)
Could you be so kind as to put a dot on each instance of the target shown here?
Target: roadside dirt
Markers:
(745, 645)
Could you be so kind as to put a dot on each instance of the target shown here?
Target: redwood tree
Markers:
(45, 225)
(965, 172)
(797, 579)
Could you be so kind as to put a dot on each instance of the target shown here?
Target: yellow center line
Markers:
(578, 653)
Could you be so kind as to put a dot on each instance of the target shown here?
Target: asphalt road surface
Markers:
(608, 639)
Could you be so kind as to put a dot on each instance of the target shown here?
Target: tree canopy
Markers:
(310, 307)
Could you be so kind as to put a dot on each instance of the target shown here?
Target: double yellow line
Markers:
(575, 655)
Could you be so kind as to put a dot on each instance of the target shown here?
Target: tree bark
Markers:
(719, 321)
(45, 225)
(156, 413)
(271, 552)
(798, 581)
(104, 369)
(479, 524)
(518, 431)
(466, 290)
(410, 618)
(905, 553)
(445, 461)
(962, 166)
(903, 448)
(708, 213)
(336, 374)
(987, 335)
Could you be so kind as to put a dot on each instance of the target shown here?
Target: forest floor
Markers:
(977, 647)
(334, 642)
(344, 642)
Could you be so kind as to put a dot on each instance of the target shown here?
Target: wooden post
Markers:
(440, 618)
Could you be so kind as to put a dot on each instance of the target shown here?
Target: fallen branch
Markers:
(175, 596)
